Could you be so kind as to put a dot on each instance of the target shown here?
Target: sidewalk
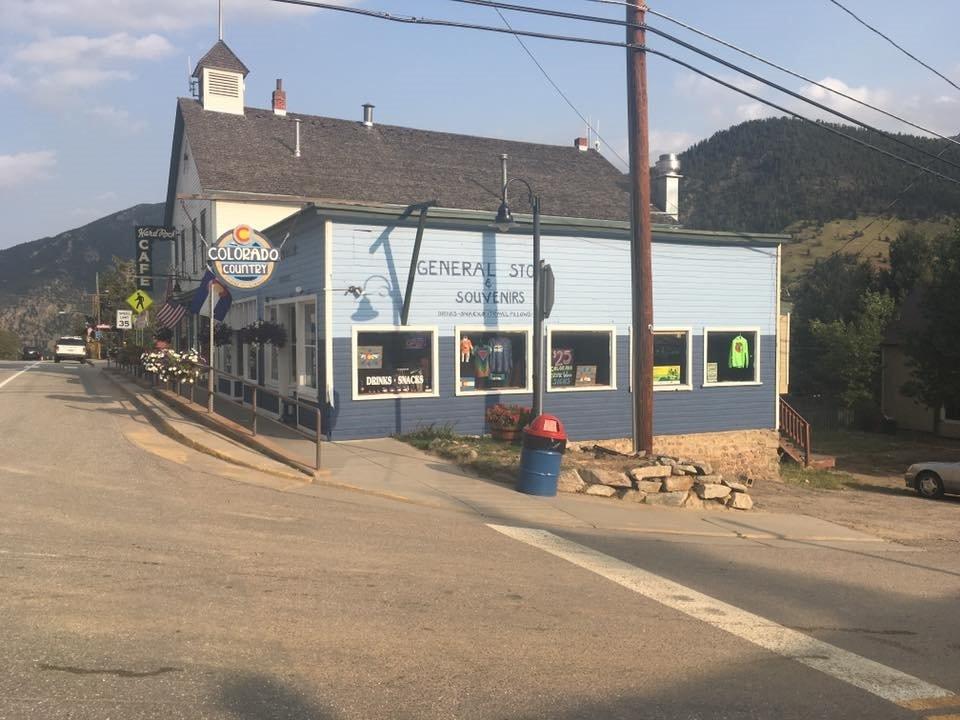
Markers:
(392, 469)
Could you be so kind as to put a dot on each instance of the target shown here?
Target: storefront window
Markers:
(671, 359)
(731, 357)
(581, 359)
(272, 358)
(290, 320)
(310, 345)
(491, 360)
(394, 362)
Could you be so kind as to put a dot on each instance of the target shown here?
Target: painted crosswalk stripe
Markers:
(16, 375)
(880, 680)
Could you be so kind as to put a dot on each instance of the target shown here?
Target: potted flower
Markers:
(506, 421)
(263, 332)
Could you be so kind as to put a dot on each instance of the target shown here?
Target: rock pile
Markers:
(657, 480)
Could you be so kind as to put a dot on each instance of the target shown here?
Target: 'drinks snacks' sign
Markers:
(143, 237)
(243, 258)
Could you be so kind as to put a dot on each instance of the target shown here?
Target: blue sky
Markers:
(88, 87)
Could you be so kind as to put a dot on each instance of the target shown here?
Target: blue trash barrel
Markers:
(544, 442)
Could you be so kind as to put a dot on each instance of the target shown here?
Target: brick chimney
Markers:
(279, 99)
(581, 144)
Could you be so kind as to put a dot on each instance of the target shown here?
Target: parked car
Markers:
(32, 353)
(70, 348)
(933, 479)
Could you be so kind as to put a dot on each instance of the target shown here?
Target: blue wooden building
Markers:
(342, 198)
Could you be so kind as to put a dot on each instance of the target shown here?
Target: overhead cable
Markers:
(710, 56)
(894, 43)
(560, 92)
(610, 43)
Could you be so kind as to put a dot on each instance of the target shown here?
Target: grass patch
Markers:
(489, 458)
(793, 474)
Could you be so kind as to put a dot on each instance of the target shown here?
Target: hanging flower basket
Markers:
(169, 364)
(263, 332)
(222, 334)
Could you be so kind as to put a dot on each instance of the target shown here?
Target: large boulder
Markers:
(600, 490)
(570, 482)
(712, 491)
(668, 499)
(740, 501)
(652, 471)
(599, 476)
(677, 483)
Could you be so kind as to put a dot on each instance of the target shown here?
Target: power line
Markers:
(799, 76)
(610, 43)
(892, 42)
(710, 56)
(560, 92)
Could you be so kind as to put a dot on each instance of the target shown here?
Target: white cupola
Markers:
(220, 76)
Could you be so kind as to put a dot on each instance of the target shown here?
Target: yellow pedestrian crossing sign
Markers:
(139, 301)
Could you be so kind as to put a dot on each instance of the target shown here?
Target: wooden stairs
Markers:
(796, 440)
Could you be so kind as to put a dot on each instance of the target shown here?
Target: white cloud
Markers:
(25, 168)
(63, 81)
(74, 49)
(117, 118)
(668, 141)
(7, 80)
(27, 15)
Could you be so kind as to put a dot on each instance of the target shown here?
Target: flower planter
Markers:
(508, 434)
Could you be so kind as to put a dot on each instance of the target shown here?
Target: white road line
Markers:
(16, 375)
(880, 680)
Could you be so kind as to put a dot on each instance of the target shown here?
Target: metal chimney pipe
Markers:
(296, 152)
(503, 169)
(368, 114)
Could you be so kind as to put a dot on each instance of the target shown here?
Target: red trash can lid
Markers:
(547, 426)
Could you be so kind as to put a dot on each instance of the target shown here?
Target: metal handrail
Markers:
(316, 436)
(797, 428)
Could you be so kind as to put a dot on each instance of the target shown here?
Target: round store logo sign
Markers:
(243, 258)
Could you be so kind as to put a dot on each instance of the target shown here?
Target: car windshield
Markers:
(70, 341)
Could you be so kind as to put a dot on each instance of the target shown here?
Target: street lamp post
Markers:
(503, 223)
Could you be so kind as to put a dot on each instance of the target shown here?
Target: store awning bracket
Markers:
(415, 258)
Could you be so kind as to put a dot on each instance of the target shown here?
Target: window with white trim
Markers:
(271, 357)
(671, 360)
(308, 377)
(244, 313)
(731, 356)
(492, 360)
(391, 362)
(581, 359)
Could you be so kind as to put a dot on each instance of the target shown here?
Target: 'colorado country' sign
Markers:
(243, 258)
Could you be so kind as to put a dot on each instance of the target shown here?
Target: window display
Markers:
(580, 359)
(394, 362)
(731, 356)
(492, 360)
(671, 359)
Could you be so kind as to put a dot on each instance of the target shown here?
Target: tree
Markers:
(832, 297)
(933, 352)
(911, 256)
(9, 345)
(849, 365)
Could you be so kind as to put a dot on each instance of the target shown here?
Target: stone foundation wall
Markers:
(738, 453)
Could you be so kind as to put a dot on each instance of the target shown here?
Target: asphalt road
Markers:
(139, 579)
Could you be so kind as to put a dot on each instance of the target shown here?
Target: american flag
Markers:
(172, 312)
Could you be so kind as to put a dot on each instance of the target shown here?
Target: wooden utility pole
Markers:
(640, 251)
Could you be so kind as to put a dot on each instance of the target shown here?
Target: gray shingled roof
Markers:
(221, 57)
(344, 160)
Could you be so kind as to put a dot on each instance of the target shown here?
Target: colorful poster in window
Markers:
(586, 375)
(666, 374)
(561, 367)
(370, 357)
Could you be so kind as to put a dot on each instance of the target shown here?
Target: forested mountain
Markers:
(764, 175)
(42, 277)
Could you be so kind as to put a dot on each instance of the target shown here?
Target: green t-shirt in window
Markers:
(739, 353)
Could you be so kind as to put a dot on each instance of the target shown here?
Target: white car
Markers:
(933, 479)
(70, 348)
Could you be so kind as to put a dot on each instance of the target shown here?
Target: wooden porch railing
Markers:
(795, 428)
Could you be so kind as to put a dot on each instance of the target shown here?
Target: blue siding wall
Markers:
(471, 278)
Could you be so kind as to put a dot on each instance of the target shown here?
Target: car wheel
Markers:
(929, 485)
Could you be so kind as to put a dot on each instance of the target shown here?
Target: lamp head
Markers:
(504, 220)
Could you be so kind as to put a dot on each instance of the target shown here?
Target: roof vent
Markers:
(368, 114)
(279, 99)
(581, 144)
(668, 164)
